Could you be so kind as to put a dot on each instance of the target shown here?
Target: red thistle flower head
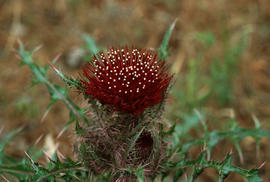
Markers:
(130, 80)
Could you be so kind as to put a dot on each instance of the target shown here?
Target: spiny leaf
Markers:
(224, 167)
(69, 81)
(55, 169)
(208, 147)
(163, 49)
(197, 170)
(57, 92)
(216, 136)
(239, 151)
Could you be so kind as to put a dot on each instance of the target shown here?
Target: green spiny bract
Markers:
(122, 142)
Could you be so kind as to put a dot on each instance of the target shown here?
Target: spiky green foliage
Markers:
(57, 92)
(209, 140)
(224, 168)
(178, 162)
(27, 169)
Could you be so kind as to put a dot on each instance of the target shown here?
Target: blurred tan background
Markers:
(58, 25)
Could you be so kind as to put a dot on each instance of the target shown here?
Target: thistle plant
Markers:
(122, 136)
(126, 88)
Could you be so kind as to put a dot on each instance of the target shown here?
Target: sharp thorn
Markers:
(29, 157)
(44, 116)
(6, 180)
(38, 139)
(61, 133)
(47, 155)
(37, 48)
(262, 165)
(60, 155)
(56, 58)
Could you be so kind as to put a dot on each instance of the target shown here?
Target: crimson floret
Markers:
(128, 79)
